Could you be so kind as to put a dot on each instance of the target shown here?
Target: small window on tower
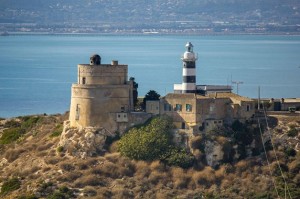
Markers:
(83, 80)
(122, 109)
(77, 112)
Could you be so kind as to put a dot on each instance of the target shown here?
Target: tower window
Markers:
(83, 80)
(77, 112)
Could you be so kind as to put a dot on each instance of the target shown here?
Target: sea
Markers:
(37, 71)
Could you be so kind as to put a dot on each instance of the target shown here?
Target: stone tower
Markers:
(102, 96)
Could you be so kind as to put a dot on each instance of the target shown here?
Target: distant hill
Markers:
(155, 14)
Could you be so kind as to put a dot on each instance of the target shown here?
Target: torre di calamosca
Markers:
(103, 98)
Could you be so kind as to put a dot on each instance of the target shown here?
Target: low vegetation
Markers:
(57, 131)
(10, 185)
(32, 168)
(154, 142)
(17, 128)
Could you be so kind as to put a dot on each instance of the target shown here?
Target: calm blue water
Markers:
(36, 72)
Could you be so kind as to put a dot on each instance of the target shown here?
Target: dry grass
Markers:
(221, 172)
(52, 160)
(180, 178)
(157, 166)
(43, 147)
(195, 142)
(89, 192)
(204, 178)
(82, 166)
(294, 166)
(69, 177)
(112, 157)
(113, 148)
(159, 179)
(142, 170)
(242, 166)
(89, 180)
(198, 155)
(104, 192)
(29, 171)
(120, 193)
(66, 166)
(12, 154)
(221, 140)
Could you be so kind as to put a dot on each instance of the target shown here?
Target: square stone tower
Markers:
(102, 97)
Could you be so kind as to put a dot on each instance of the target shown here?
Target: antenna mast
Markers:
(237, 85)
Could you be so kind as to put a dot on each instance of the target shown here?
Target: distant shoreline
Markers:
(144, 34)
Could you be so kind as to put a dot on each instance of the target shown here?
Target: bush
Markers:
(10, 185)
(57, 131)
(11, 135)
(60, 149)
(29, 122)
(290, 152)
(147, 142)
(292, 132)
(178, 157)
(18, 129)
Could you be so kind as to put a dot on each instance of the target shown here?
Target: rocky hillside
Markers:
(34, 165)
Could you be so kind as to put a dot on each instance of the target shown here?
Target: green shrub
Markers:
(16, 129)
(27, 197)
(147, 142)
(10, 185)
(57, 131)
(11, 135)
(292, 132)
(153, 142)
(290, 152)
(29, 122)
(60, 149)
(178, 157)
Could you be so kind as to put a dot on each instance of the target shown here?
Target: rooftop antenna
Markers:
(237, 85)
(258, 106)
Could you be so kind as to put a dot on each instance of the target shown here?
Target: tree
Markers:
(151, 95)
(148, 142)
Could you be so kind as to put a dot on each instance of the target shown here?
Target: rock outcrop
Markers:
(82, 142)
(213, 153)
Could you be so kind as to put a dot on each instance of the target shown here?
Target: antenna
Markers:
(237, 85)
(258, 106)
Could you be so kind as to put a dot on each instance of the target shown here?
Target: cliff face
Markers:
(40, 161)
(82, 142)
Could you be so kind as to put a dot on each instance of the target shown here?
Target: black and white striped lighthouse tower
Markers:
(189, 70)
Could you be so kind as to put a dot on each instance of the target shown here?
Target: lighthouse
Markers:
(189, 69)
